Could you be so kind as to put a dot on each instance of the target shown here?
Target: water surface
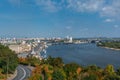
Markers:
(85, 54)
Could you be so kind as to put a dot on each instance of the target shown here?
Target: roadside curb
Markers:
(12, 76)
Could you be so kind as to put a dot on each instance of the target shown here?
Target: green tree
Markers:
(55, 62)
(8, 59)
(33, 61)
(118, 72)
(58, 62)
(109, 70)
(112, 77)
(71, 71)
(91, 77)
(50, 60)
(58, 75)
(91, 68)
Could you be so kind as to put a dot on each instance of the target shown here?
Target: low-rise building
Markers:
(20, 48)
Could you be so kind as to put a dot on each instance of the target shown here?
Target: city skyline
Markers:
(59, 18)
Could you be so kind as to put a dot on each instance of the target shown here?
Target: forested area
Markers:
(55, 69)
(8, 61)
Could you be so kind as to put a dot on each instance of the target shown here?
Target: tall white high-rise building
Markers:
(70, 39)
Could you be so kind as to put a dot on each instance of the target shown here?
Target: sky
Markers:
(60, 18)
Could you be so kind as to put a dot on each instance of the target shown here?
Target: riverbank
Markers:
(110, 48)
(110, 45)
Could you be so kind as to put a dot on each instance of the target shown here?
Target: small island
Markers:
(115, 45)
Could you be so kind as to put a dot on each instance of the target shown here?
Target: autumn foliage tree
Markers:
(55, 69)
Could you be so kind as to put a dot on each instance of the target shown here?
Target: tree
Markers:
(118, 72)
(33, 61)
(8, 60)
(58, 75)
(91, 68)
(90, 77)
(58, 62)
(36, 77)
(50, 60)
(55, 62)
(71, 70)
(109, 70)
(112, 77)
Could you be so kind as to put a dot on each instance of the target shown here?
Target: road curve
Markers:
(23, 72)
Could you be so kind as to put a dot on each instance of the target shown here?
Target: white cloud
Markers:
(116, 26)
(109, 8)
(112, 9)
(48, 5)
(85, 5)
(109, 20)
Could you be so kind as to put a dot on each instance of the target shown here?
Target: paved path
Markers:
(23, 72)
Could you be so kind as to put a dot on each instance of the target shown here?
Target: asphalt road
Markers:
(23, 72)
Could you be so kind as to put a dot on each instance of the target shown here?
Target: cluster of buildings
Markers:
(33, 47)
(20, 45)
(19, 48)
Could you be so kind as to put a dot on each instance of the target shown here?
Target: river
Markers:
(85, 54)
